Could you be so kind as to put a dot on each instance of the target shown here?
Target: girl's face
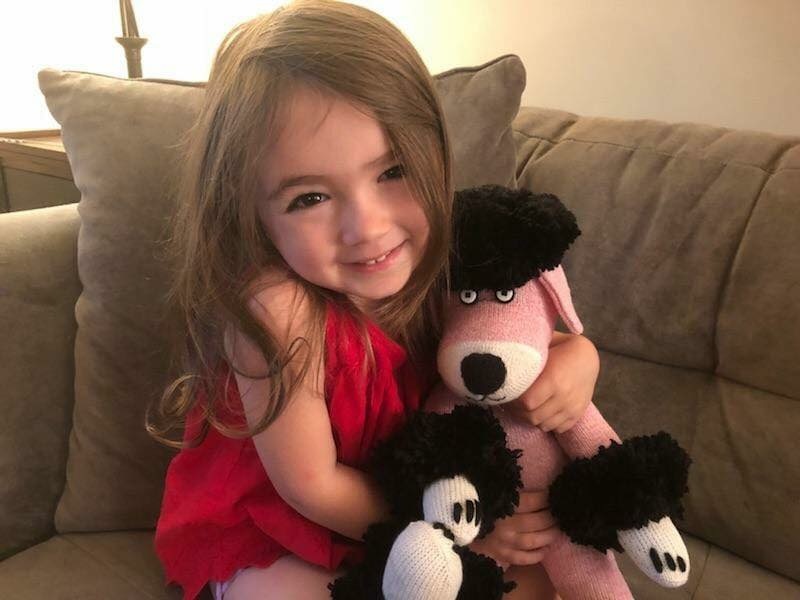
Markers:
(335, 202)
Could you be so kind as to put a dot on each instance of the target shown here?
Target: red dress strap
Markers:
(220, 512)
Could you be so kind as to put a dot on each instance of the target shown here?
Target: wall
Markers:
(725, 62)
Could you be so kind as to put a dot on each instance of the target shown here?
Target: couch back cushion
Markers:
(687, 277)
(120, 137)
(38, 288)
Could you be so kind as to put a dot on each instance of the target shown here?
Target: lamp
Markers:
(130, 39)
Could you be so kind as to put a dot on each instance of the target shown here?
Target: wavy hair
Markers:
(218, 243)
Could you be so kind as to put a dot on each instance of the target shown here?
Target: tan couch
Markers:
(687, 276)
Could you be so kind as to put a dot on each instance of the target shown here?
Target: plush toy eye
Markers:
(467, 296)
(504, 295)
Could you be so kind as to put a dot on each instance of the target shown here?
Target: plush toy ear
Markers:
(556, 286)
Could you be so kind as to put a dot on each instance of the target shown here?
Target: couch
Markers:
(687, 277)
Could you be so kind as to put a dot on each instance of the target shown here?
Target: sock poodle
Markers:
(508, 292)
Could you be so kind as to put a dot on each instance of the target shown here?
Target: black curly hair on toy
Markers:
(469, 441)
(622, 487)
(534, 232)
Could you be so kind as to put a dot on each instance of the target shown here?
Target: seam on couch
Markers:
(567, 126)
(693, 155)
(695, 369)
(702, 570)
(110, 567)
(524, 161)
(5, 201)
(723, 290)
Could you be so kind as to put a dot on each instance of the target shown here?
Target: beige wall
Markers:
(734, 63)
(725, 62)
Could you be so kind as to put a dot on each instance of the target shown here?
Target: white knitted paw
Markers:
(658, 550)
(422, 565)
(454, 503)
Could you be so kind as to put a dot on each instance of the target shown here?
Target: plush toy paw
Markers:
(454, 503)
(658, 550)
(624, 498)
(422, 565)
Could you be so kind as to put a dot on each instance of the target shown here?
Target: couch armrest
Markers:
(39, 286)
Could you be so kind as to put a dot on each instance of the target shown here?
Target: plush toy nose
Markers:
(483, 373)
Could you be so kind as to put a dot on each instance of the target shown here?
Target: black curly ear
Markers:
(504, 237)
(622, 487)
(364, 580)
(469, 441)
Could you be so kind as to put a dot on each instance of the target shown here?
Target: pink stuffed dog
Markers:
(509, 290)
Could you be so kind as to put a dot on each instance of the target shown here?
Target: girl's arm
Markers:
(297, 449)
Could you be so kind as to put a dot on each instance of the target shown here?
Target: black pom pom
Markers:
(365, 580)
(483, 578)
(469, 441)
(505, 237)
(622, 487)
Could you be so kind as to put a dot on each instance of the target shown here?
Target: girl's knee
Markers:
(288, 578)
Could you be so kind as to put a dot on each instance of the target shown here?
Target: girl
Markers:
(311, 240)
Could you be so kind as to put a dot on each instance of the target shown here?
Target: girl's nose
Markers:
(363, 218)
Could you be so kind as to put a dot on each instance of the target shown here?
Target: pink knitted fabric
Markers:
(577, 572)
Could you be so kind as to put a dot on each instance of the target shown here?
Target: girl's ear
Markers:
(556, 286)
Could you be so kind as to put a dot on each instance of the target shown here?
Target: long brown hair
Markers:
(218, 242)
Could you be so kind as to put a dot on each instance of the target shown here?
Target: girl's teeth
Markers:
(377, 260)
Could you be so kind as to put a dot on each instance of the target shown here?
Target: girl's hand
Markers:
(564, 388)
(522, 538)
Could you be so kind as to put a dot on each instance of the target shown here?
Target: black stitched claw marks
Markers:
(473, 510)
(672, 563)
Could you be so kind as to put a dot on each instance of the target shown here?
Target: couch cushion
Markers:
(119, 136)
(679, 222)
(38, 288)
(715, 574)
(90, 566)
(687, 276)
(121, 565)
(764, 287)
(743, 481)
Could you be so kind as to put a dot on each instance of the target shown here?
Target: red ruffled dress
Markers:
(220, 511)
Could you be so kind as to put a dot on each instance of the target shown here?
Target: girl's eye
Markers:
(468, 296)
(396, 172)
(504, 295)
(309, 200)
(304, 201)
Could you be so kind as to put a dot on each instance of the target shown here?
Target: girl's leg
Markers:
(288, 578)
(532, 583)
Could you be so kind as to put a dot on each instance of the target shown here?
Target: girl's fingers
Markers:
(532, 501)
(523, 557)
(538, 540)
(566, 425)
(554, 422)
(533, 522)
(534, 397)
(546, 411)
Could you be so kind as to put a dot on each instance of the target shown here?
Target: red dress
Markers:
(220, 511)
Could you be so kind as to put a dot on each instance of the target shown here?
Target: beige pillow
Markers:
(120, 138)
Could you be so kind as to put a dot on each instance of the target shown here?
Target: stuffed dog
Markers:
(448, 478)
(508, 292)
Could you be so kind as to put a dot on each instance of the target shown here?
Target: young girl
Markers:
(311, 239)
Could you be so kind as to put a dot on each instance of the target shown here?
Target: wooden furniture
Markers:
(34, 171)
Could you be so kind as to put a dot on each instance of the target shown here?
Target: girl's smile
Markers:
(379, 263)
